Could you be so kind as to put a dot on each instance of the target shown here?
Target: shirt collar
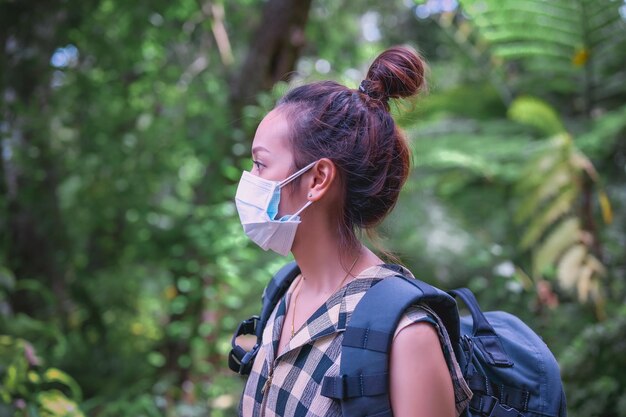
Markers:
(333, 315)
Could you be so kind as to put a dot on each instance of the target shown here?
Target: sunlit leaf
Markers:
(583, 285)
(536, 113)
(56, 375)
(563, 236)
(555, 209)
(570, 266)
(55, 404)
(552, 183)
(605, 205)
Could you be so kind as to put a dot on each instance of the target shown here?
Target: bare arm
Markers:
(420, 382)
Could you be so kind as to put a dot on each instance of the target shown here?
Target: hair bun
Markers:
(396, 73)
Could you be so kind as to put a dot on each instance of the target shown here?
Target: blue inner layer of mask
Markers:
(272, 207)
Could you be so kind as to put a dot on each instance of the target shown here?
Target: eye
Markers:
(258, 165)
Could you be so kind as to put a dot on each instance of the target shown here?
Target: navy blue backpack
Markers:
(508, 367)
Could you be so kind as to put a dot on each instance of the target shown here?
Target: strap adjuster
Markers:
(483, 405)
(489, 406)
(344, 386)
(240, 360)
(246, 327)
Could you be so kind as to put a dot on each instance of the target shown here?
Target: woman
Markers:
(329, 161)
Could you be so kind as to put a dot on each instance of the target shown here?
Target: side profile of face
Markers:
(273, 159)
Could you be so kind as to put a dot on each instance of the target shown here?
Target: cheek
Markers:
(286, 204)
(290, 200)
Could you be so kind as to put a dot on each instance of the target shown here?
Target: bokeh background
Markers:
(125, 126)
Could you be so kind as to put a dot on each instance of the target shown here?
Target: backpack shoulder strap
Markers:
(277, 287)
(363, 384)
(240, 360)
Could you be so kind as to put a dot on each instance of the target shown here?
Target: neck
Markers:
(321, 257)
(324, 264)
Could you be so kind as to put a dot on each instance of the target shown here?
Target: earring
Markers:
(310, 195)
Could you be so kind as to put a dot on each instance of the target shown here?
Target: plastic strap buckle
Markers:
(247, 326)
(239, 359)
(489, 406)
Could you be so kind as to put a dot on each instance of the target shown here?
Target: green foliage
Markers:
(536, 113)
(514, 40)
(549, 188)
(596, 357)
(577, 45)
(130, 269)
(28, 389)
(455, 220)
(600, 140)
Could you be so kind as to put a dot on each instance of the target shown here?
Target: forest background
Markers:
(125, 126)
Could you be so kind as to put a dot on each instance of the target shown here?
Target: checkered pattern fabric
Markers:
(289, 384)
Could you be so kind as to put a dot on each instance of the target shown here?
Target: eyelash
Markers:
(257, 164)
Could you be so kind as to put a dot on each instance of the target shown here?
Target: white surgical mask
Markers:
(257, 204)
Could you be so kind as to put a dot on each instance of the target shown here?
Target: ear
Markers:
(322, 176)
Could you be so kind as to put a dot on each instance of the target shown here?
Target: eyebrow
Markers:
(259, 149)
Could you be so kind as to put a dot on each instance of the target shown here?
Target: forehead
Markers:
(272, 134)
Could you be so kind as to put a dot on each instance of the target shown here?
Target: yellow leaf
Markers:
(605, 205)
(581, 56)
(55, 403)
(33, 377)
(56, 375)
(170, 292)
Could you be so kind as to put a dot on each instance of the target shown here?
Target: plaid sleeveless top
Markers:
(289, 383)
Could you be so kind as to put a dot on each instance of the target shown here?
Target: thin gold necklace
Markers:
(295, 300)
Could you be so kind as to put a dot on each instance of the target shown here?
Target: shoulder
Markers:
(417, 331)
(420, 381)
(414, 314)
(418, 342)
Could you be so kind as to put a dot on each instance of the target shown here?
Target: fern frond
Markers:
(537, 113)
(569, 267)
(588, 287)
(522, 49)
(566, 234)
(556, 208)
(546, 161)
(579, 45)
(552, 185)
(599, 139)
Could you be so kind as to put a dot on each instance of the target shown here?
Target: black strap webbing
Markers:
(487, 406)
(342, 387)
(367, 339)
(240, 360)
(510, 397)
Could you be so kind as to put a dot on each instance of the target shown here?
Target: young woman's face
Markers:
(273, 159)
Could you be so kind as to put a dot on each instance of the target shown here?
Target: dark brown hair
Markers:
(354, 129)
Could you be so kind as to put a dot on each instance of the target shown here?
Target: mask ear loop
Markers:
(291, 178)
(297, 213)
(295, 175)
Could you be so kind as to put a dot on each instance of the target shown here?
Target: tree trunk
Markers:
(36, 238)
(274, 50)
